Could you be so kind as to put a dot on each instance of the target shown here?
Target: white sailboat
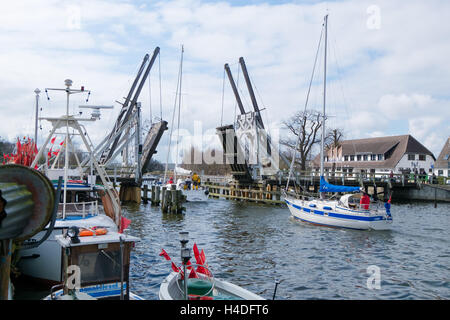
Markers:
(76, 209)
(342, 212)
(190, 192)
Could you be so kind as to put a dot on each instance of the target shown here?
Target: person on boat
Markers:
(365, 201)
(387, 206)
(188, 183)
(170, 180)
(195, 181)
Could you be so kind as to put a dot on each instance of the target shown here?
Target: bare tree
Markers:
(333, 141)
(218, 167)
(303, 128)
(333, 138)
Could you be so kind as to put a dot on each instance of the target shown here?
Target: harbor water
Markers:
(255, 245)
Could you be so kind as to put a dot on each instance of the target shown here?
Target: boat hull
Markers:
(97, 292)
(195, 195)
(169, 289)
(314, 213)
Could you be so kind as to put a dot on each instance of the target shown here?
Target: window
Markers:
(352, 158)
(345, 158)
(372, 170)
(365, 157)
(446, 156)
(440, 172)
(380, 157)
(448, 164)
(358, 157)
(411, 157)
(422, 157)
(373, 157)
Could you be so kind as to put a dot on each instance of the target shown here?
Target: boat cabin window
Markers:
(99, 266)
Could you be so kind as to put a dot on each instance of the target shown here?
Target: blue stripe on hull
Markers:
(338, 215)
(325, 225)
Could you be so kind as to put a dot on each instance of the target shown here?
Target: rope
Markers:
(173, 118)
(160, 90)
(306, 103)
(150, 99)
(223, 95)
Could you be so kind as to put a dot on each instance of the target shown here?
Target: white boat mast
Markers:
(322, 144)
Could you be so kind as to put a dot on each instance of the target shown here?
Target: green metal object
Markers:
(28, 201)
(199, 287)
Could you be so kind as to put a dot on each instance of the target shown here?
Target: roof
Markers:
(394, 146)
(444, 158)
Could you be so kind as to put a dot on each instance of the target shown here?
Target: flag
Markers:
(164, 254)
(124, 223)
(53, 140)
(197, 254)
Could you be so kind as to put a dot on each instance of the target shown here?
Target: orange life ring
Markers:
(90, 232)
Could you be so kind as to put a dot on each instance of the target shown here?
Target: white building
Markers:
(399, 154)
(442, 164)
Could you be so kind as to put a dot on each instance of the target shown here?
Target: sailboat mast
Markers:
(322, 143)
(179, 111)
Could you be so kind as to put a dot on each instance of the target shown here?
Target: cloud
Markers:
(382, 81)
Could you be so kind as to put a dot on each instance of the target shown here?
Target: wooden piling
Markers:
(157, 196)
(164, 200)
(145, 194)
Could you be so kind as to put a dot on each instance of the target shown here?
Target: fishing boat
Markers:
(96, 265)
(337, 211)
(201, 283)
(79, 204)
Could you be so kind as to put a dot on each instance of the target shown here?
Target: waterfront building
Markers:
(442, 164)
(399, 154)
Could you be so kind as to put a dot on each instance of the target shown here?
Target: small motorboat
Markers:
(200, 284)
(203, 289)
(96, 266)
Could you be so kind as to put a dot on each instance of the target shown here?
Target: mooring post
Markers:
(435, 196)
(163, 200)
(145, 195)
(157, 195)
(153, 195)
(5, 268)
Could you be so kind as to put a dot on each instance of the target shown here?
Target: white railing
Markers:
(79, 208)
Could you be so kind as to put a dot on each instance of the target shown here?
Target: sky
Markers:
(387, 67)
